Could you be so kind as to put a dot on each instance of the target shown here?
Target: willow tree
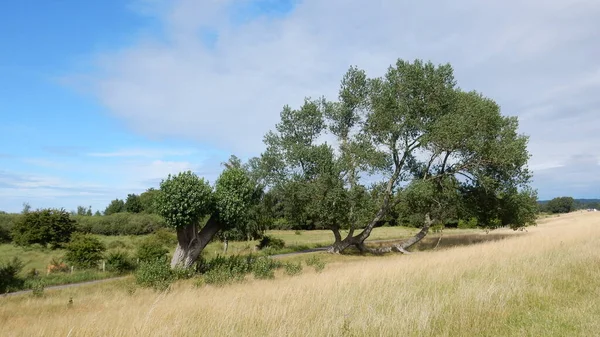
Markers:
(185, 201)
(413, 131)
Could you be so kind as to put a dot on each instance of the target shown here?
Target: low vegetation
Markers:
(542, 283)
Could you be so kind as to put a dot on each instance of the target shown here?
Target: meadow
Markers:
(37, 258)
(545, 282)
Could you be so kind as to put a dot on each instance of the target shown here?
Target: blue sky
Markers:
(103, 98)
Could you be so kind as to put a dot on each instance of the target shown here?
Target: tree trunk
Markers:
(418, 237)
(190, 242)
(401, 248)
(339, 246)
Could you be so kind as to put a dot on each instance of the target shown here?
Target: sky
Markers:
(99, 99)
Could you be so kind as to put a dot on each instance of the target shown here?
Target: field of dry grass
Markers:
(545, 282)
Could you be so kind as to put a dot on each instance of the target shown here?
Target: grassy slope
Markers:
(38, 258)
(543, 283)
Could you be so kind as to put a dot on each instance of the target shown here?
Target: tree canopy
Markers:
(411, 136)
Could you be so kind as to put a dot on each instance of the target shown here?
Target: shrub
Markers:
(264, 268)
(37, 288)
(119, 261)
(120, 224)
(221, 277)
(281, 224)
(150, 249)
(293, 268)
(316, 262)
(9, 279)
(271, 242)
(235, 264)
(45, 227)
(154, 274)
(471, 223)
(84, 251)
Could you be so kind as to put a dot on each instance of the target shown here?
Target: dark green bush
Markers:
(466, 224)
(236, 264)
(151, 249)
(119, 261)
(51, 227)
(221, 277)
(154, 274)
(84, 251)
(9, 275)
(7, 222)
(120, 224)
(271, 242)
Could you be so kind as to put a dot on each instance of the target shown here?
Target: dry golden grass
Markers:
(543, 283)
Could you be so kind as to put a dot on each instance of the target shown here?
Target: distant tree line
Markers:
(567, 204)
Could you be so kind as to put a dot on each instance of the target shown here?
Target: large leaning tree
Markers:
(198, 211)
(412, 137)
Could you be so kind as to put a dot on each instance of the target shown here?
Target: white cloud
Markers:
(141, 152)
(538, 59)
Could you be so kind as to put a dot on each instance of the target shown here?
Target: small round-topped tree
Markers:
(185, 200)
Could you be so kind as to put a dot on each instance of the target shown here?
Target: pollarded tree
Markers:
(185, 200)
(412, 129)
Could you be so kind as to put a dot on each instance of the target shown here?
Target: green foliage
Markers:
(133, 204)
(281, 224)
(151, 249)
(83, 211)
(7, 222)
(119, 262)
(115, 206)
(120, 224)
(264, 268)
(271, 242)
(156, 274)
(471, 223)
(9, 275)
(37, 288)
(234, 193)
(45, 227)
(226, 270)
(316, 262)
(116, 244)
(424, 136)
(165, 236)
(292, 268)
(84, 251)
(221, 277)
(560, 205)
(184, 199)
(148, 200)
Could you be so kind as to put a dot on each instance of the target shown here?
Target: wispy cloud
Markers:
(148, 153)
(538, 59)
